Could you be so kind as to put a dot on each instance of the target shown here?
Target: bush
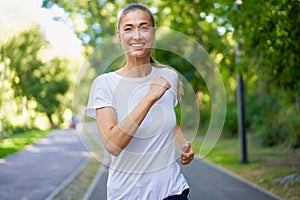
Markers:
(274, 121)
(231, 121)
(8, 130)
(292, 119)
(5, 130)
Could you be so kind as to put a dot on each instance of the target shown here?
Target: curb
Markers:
(94, 184)
(67, 181)
(239, 178)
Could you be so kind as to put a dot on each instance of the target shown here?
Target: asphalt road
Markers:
(36, 172)
(207, 182)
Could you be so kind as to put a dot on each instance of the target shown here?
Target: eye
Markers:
(144, 29)
(128, 29)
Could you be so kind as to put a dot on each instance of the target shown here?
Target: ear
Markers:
(118, 36)
(154, 33)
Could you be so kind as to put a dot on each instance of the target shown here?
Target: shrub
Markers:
(274, 121)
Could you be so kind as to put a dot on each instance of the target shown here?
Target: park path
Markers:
(39, 170)
(207, 182)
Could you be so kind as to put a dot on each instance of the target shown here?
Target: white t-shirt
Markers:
(147, 167)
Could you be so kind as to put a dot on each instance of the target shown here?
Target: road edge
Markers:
(94, 184)
(68, 180)
(238, 178)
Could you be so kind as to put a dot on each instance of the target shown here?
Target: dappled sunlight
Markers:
(19, 15)
(19, 107)
(58, 143)
(43, 44)
(32, 149)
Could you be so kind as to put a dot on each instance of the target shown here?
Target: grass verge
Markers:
(265, 165)
(19, 141)
(81, 183)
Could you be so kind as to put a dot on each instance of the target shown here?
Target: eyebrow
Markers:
(141, 24)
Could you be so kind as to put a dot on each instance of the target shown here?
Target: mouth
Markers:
(137, 44)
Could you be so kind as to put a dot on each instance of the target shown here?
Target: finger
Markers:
(185, 161)
(187, 156)
(162, 82)
(186, 147)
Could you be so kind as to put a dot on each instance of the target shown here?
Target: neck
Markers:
(136, 61)
(136, 67)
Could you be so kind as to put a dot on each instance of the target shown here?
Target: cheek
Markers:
(123, 40)
(150, 38)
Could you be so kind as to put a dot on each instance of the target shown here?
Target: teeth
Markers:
(137, 45)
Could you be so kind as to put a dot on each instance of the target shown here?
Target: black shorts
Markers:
(183, 196)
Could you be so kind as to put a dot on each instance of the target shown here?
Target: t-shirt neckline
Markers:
(135, 78)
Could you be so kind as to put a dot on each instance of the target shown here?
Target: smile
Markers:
(137, 44)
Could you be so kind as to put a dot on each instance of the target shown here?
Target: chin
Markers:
(138, 55)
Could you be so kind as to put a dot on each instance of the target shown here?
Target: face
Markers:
(136, 33)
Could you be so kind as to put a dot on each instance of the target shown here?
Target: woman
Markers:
(134, 109)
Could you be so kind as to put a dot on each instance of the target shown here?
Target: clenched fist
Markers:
(158, 87)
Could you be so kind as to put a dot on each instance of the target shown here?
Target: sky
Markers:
(16, 15)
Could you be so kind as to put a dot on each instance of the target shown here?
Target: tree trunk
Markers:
(51, 121)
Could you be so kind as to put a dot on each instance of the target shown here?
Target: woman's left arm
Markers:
(187, 153)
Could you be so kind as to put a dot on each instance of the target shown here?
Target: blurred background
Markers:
(43, 44)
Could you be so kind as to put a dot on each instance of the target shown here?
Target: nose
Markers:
(136, 34)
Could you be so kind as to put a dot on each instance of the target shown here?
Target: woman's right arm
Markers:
(116, 136)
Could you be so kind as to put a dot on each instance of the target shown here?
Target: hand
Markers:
(158, 87)
(187, 154)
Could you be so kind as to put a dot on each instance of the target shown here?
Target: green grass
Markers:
(81, 183)
(265, 164)
(19, 141)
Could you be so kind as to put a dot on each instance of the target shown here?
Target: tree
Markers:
(21, 56)
(267, 30)
(30, 77)
(53, 85)
(271, 42)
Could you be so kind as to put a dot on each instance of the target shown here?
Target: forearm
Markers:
(187, 153)
(131, 123)
(116, 136)
(179, 137)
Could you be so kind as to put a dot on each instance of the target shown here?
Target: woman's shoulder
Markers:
(105, 76)
(165, 69)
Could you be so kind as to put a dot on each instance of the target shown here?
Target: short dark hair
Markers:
(132, 7)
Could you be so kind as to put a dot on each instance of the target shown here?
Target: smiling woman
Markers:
(134, 110)
(136, 34)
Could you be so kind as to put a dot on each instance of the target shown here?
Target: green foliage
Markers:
(261, 112)
(269, 35)
(292, 120)
(6, 129)
(230, 126)
(273, 121)
(22, 55)
(31, 78)
(52, 87)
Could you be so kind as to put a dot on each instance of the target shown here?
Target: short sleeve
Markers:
(175, 88)
(173, 77)
(99, 97)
